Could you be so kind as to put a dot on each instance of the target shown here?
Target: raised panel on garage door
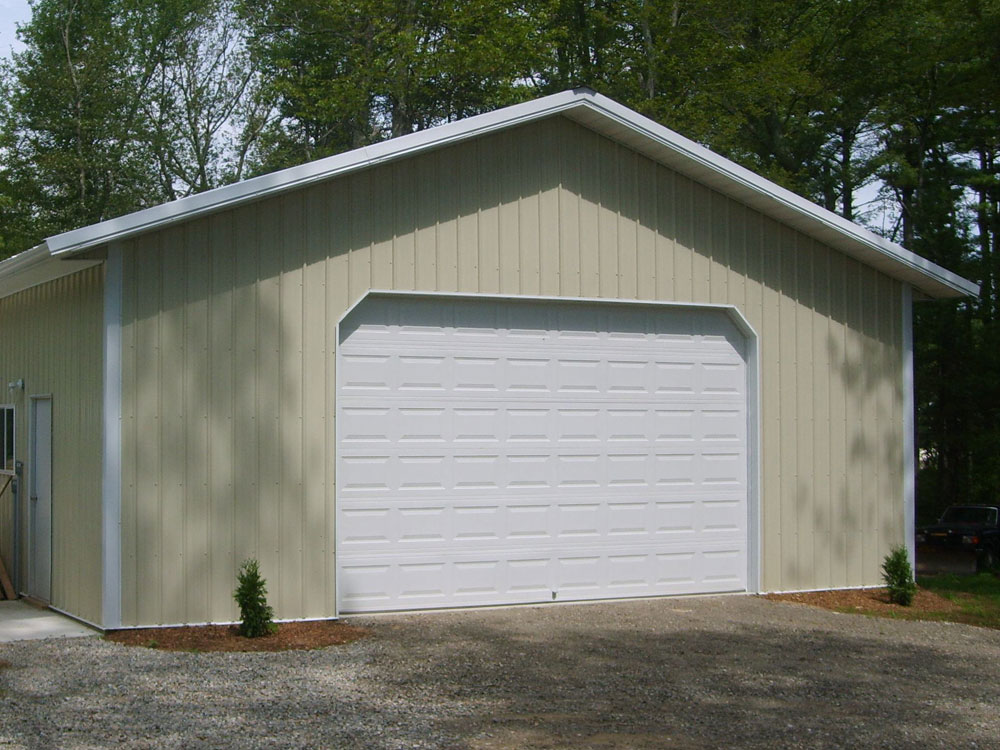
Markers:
(497, 452)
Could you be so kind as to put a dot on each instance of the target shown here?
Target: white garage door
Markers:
(495, 452)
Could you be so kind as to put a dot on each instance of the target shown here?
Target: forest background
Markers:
(885, 111)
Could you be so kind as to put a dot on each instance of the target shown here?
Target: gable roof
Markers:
(589, 109)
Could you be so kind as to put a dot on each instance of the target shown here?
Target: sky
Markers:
(11, 13)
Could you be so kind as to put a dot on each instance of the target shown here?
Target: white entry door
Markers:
(497, 452)
(40, 501)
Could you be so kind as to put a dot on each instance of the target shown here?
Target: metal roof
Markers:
(589, 109)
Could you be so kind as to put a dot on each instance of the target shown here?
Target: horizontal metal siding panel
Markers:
(53, 338)
(550, 208)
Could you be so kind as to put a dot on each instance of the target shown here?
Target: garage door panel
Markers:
(572, 451)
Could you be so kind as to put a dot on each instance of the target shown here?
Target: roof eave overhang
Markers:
(594, 111)
(37, 266)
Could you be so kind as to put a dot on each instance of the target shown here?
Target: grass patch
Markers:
(977, 597)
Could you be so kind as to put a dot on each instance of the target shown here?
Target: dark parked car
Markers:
(971, 531)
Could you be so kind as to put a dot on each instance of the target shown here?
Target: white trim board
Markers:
(111, 479)
(909, 428)
(591, 110)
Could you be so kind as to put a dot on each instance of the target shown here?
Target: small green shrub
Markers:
(898, 576)
(251, 596)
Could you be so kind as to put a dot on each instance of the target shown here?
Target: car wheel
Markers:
(987, 561)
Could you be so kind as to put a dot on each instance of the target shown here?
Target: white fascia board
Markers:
(594, 111)
(36, 266)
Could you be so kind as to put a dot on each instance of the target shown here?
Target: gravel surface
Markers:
(676, 673)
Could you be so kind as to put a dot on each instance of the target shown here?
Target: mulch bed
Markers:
(290, 635)
(873, 601)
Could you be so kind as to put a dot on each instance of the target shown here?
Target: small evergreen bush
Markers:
(251, 596)
(898, 576)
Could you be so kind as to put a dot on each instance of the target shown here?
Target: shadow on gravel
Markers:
(728, 673)
(690, 688)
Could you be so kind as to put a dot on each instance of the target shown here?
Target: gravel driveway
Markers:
(676, 673)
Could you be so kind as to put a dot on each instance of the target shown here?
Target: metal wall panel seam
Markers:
(111, 488)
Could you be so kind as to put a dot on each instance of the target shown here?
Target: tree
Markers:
(349, 74)
(119, 104)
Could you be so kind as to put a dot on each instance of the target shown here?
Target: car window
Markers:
(965, 514)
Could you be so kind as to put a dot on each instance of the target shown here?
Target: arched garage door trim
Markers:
(752, 395)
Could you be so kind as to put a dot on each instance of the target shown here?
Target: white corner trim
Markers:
(111, 489)
(909, 427)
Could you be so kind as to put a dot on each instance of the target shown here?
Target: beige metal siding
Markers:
(229, 338)
(52, 336)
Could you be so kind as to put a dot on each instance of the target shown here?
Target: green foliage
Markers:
(346, 74)
(251, 596)
(898, 576)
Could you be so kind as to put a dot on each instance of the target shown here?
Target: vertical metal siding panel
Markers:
(805, 480)
(197, 533)
(852, 365)
(770, 359)
(820, 335)
(467, 187)
(719, 247)
(403, 250)
(247, 478)
(195, 443)
(383, 210)
(647, 197)
(683, 210)
(628, 224)
(736, 254)
(528, 191)
(547, 160)
(666, 234)
(701, 243)
(425, 197)
(130, 436)
(338, 299)
(787, 375)
(840, 517)
(508, 194)
(270, 353)
(570, 165)
(149, 414)
(608, 215)
(222, 468)
(173, 363)
(872, 373)
(588, 155)
(360, 218)
(753, 299)
(289, 599)
(489, 219)
(447, 248)
(314, 389)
